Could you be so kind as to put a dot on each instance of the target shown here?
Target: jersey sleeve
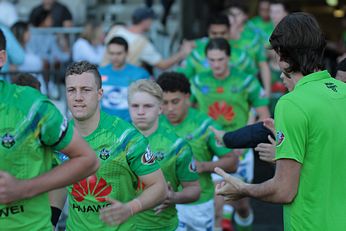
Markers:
(261, 55)
(139, 156)
(54, 129)
(291, 125)
(186, 168)
(257, 97)
(216, 147)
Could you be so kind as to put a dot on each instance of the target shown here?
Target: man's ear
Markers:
(3, 58)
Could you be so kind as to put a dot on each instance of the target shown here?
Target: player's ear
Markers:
(100, 93)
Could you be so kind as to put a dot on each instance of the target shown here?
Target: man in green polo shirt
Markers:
(171, 152)
(310, 125)
(31, 127)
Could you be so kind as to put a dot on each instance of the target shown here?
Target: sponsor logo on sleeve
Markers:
(192, 166)
(148, 158)
(280, 137)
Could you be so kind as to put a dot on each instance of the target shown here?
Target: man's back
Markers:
(313, 135)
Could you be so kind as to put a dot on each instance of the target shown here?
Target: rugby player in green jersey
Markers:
(245, 37)
(310, 165)
(108, 199)
(31, 127)
(196, 62)
(227, 96)
(171, 152)
(192, 125)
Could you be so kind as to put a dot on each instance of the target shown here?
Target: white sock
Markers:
(244, 221)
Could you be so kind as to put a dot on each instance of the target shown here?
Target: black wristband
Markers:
(55, 215)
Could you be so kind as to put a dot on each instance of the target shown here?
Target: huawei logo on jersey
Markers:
(91, 187)
(148, 157)
(221, 109)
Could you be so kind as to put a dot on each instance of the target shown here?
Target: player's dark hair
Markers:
(219, 19)
(2, 41)
(174, 82)
(26, 79)
(78, 68)
(119, 41)
(299, 41)
(218, 44)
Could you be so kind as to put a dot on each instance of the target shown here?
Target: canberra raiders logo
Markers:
(148, 158)
(280, 137)
(7, 140)
(104, 154)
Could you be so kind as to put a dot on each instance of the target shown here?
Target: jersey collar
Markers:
(313, 77)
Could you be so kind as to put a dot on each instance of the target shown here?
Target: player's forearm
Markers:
(228, 163)
(187, 195)
(265, 76)
(269, 191)
(71, 171)
(151, 196)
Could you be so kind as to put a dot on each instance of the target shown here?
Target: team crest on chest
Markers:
(104, 154)
(159, 155)
(7, 140)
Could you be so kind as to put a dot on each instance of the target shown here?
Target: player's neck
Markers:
(223, 75)
(88, 126)
(118, 67)
(151, 130)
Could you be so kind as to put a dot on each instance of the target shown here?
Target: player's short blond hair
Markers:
(145, 85)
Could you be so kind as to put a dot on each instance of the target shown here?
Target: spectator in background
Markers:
(60, 14)
(8, 13)
(45, 45)
(89, 46)
(341, 71)
(278, 10)
(117, 76)
(141, 50)
(32, 62)
(15, 53)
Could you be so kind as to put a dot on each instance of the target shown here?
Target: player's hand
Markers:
(168, 201)
(266, 151)
(218, 134)
(116, 213)
(10, 188)
(230, 187)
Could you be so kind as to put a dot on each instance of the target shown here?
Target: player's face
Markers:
(218, 61)
(83, 96)
(175, 106)
(218, 31)
(144, 110)
(237, 17)
(341, 75)
(117, 55)
(277, 12)
(264, 9)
